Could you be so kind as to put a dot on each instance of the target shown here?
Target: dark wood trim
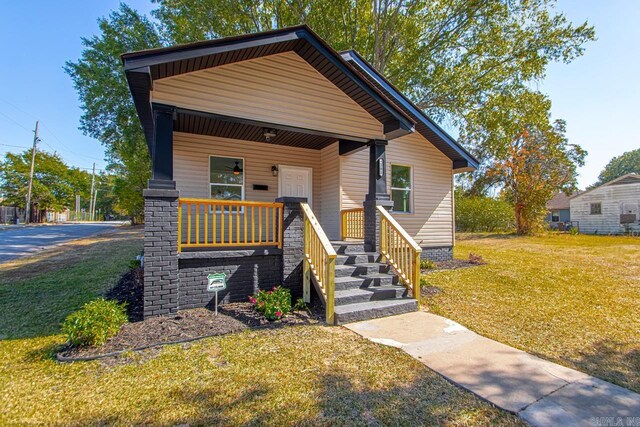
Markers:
(162, 152)
(349, 147)
(259, 123)
(378, 170)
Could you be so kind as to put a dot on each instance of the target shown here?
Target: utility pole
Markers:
(93, 178)
(93, 212)
(27, 212)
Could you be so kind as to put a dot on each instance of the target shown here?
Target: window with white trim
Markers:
(401, 188)
(226, 177)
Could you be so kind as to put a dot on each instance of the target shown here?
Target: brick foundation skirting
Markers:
(246, 274)
(443, 253)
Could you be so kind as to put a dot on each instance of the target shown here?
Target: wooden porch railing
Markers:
(400, 251)
(319, 262)
(352, 221)
(206, 223)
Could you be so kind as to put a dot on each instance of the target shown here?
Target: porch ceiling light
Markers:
(269, 133)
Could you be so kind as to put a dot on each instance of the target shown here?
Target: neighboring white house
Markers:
(612, 208)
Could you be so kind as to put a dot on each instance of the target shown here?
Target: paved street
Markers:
(24, 240)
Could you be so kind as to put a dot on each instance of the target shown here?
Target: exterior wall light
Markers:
(274, 170)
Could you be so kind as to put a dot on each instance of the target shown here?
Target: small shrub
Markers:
(135, 263)
(273, 304)
(300, 305)
(427, 264)
(574, 231)
(476, 259)
(95, 322)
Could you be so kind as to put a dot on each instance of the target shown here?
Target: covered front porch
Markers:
(246, 138)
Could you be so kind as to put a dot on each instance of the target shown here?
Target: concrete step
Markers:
(364, 281)
(357, 258)
(372, 293)
(373, 309)
(361, 269)
(348, 247)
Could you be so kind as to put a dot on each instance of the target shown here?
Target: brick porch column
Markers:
(160, 252)
(292, 244)
(377, 195)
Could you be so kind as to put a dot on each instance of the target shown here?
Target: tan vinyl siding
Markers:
(431, 222)
(282, 89)
(191, 164)
(329, 215)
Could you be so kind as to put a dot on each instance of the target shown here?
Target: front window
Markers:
(555, 216)
(401, 187)
(596, 208)
(226, 177)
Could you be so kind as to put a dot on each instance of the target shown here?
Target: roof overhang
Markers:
(462, 160)
(142, 68)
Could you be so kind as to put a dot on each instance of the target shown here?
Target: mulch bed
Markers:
(185, 326)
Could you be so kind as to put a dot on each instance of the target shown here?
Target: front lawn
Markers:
(301, 375)
(574, 300)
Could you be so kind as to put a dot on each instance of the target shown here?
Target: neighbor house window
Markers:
(401, 187)
(555, 216)
(596, 208)
(226, 178)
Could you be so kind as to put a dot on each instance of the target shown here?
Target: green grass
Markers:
(574, 300)
(38, 292)
(307, 375)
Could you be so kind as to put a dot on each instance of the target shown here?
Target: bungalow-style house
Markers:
(277, 160)
(611, 208)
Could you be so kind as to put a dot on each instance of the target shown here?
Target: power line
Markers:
(16, 122)
(44, 125)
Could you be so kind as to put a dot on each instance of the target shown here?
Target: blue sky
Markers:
(597, 94)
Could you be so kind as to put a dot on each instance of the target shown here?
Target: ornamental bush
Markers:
(477, 214)
(95, 322)
(273, 304)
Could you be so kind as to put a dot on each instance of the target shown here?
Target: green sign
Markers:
(216, 282)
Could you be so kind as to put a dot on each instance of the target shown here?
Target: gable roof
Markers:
(143, 67)
(560, 201)
(462, 159)
(630, 178)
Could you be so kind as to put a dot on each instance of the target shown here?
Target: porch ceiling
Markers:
(208, 124)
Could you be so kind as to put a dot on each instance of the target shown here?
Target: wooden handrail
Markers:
(206, 223)
(319, 262)
(352, 223)
(400, 251)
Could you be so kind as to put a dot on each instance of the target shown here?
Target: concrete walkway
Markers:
(540, 392)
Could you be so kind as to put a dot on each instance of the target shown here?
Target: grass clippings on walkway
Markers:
(573, 300)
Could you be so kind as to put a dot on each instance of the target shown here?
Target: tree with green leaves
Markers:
(108, 111)
(55, 185)
(628, 162)
(459, 60)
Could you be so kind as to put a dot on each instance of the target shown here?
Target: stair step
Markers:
(373, 293)
(357, 258)
(348, 247)
(373, 309)
(359, 269)
(365, 280)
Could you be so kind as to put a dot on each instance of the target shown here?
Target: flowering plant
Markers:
(273, 304)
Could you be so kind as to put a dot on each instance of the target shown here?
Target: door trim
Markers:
(281, 174)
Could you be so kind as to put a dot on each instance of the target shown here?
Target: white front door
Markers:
(294, 181)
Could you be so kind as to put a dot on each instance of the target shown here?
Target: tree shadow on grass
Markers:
(38, 292)
(612, 361)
